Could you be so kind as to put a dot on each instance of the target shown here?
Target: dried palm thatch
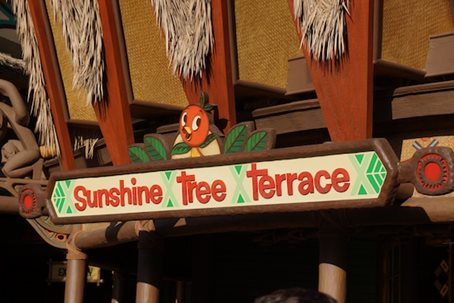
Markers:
(88, 144)
(323, 27)
(188, 33)
(40, 107)
(12, 62)
(82, 32)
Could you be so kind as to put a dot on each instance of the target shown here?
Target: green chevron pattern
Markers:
(62, 190)
(371, 173)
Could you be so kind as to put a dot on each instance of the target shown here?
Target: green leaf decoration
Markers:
(180, 148)
(376, 173)
(203, 99)
(235, 139)
(257, 141)
(155, 147)
(208, 107)
(208, 140)
(204, 102)
(137, 154)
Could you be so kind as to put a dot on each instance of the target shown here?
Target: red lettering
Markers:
(266, 187)
(279, 180)
(340, 180)
(81, 204)
(114, 196)
(100, 193)
(134, 192)
(318, 176)
(218, 190)
(92, 200)
(290, 179)
(156, 194)
(203, 192)
(141, 198)
(306, 185)
(123, 192)
(185, 180)
(191, 187)
(255, 173)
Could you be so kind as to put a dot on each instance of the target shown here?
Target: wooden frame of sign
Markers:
(326, 176)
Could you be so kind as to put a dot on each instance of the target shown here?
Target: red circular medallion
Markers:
(28, 202)
(432, 171)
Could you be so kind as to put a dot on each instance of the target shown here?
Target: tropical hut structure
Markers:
(214, 151)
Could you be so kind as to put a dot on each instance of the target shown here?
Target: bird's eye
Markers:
(184, 118)
(196, 122)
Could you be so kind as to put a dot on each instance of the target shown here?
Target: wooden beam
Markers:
(113, 112)
(218, 82)
(345, 90)
(8, 205)
(438, 209)
(54, 87)
(403, 103)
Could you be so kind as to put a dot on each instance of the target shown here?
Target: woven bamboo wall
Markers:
(76, 99)
(266, 38)
(407, 25)
(151, 77)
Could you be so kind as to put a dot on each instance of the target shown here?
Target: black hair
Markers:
(295, 295)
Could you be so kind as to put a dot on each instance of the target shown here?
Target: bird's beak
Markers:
(187, 132)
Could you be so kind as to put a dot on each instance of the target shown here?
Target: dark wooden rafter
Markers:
(217, 82)
(53, 84)
(113, 112)
(345, 90)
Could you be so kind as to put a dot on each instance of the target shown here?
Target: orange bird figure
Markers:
(194, 128)
(197, 135)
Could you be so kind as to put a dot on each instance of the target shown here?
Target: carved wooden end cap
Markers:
(431, 170)
(32, 202)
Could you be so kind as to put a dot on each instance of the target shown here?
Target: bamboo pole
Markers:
(76, 271)
(75, 280)
(8, 205)
(333, 281)
(332, 278)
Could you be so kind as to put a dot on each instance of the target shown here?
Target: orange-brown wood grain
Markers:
(53, 84)
(113, 112)
(345, 91)
(218, 82)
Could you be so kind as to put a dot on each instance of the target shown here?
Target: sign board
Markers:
(344, 175)
(57, 273)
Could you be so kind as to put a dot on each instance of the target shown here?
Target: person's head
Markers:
(295, 295)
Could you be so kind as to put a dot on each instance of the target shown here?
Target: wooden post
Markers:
(332, 278)
(54, 86)
(75, 280)
(345, 89)
(180, 293)
(76, 271)
(218, 82)
(76, 266)
(149, 266)
(113, 113)
(345, 92)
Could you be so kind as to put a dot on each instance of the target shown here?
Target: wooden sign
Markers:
(57, 273)
(341, 175)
